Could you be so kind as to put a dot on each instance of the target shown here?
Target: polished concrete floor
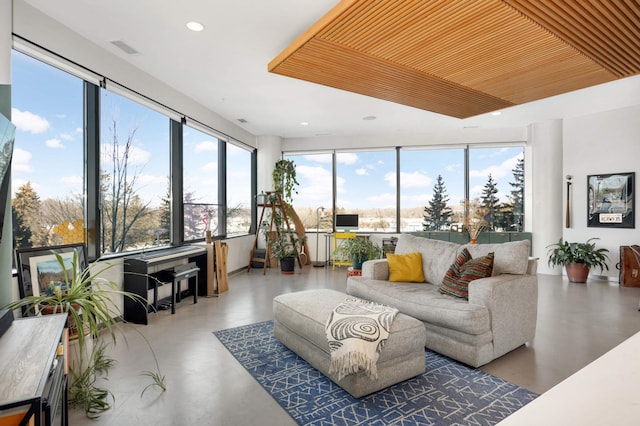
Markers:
(206, 386)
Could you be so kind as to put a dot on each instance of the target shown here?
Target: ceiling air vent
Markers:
(242, 120)
(124, 47)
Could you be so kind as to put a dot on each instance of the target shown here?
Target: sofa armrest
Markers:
(512, 301)
(532, 266)
(377, 269)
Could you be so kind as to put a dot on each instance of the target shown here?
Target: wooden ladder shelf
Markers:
(274, 203)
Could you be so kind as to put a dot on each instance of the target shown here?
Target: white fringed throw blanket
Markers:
(357, 330)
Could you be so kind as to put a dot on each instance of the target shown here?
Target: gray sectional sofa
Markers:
(499, 315)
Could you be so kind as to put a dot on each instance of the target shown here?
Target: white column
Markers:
(546, 193)
(6, 244)
(269, 152)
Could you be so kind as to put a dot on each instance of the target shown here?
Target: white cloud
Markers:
(72, 181)
(415, 180)
(66, 136)
(211, 166)
(497, 171)
(146, 179)
(453, 167)
(21, 161)
(79, 130)
(28, 122)
(316, 187)
(346, 158)
(207, 146)
(362, 171)
(384, 200)
(319, 158)
(137, 156)
(53, 143)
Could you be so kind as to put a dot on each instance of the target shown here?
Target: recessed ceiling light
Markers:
(195, 26)
(304, 123)
(369, 117)
(496, 113)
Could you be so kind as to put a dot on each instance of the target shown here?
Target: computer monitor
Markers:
(346, 222)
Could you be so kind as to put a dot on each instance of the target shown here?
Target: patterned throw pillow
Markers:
(463, 271)
(405, 267)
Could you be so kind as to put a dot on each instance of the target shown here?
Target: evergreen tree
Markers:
(28, 207)
(490, 201)
(437, 216)
(21, 233)
(517, 195)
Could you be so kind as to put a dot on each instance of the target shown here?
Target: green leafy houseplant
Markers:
(284, 179)
(358, 250)
(578, 258)
(88, 300)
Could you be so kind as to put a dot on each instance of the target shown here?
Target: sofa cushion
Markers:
(509, 258)
(424, 302)
(437, 255)
(456, 281)
(405, 267)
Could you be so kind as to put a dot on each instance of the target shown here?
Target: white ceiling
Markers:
(225, 68)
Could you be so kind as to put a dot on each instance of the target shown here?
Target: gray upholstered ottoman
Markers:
(299, 322)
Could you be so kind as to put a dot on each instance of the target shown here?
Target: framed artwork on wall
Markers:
(611, 201)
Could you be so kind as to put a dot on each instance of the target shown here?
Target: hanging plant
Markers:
(284, 179)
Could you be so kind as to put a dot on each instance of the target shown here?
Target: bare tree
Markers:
(122, 208)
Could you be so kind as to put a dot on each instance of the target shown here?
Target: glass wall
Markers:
(134, 175)
(434, 185)
(47, 167)
(200, 183)
(238, 190)
(313, 202)
(52, 110)
(432, 189)
(366, 186)
(496, 182)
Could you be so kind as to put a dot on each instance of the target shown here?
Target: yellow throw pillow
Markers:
(405, 267)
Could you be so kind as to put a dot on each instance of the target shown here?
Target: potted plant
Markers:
(358, 250)
(578, 258)
(88, 300)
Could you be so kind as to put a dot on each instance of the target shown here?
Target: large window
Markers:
(200, 186)
(432, 189)
(134, 175)
(313, 202)
(434, 185)
(47, 166)
(238, 190)
(496, 181)
(366, 185)
(128, 193)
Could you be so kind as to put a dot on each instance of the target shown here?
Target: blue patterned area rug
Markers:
(448, 393)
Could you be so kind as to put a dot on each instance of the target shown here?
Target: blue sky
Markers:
(47, 111)
(368, 179)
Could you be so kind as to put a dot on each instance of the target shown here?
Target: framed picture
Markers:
(610, 200)
(38, 267)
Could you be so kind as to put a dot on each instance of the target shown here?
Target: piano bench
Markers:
(178, 274)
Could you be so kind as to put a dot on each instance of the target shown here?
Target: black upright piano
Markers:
(142, 270)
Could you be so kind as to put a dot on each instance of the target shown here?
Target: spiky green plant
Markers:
(88, 298)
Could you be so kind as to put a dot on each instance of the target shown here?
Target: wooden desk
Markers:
(27, 353)
(604, 392)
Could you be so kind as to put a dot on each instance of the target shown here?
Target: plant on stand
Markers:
(93, 316)
(578, 258)
(284, 244)
(358, 250)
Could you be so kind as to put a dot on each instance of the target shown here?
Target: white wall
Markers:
(603, 143)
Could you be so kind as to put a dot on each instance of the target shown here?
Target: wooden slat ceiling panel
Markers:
(490, 53)
(334, 65)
